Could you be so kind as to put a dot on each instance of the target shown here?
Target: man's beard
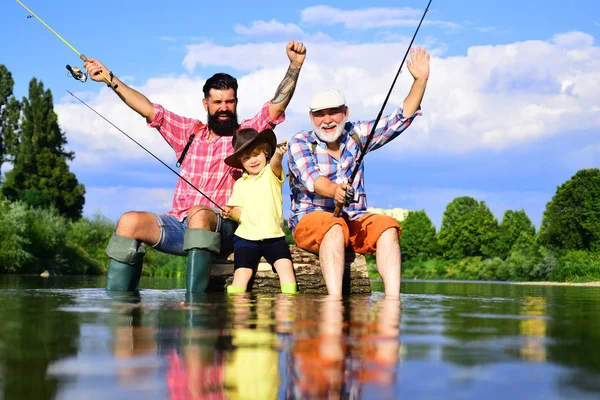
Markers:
(223, 127)
(339, 129)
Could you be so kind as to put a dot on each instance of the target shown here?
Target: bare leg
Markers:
(241, 277)
(331, 256)
(388, 262)
(285, 270)
(141, 226)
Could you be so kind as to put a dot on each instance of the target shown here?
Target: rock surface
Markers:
(308, 274)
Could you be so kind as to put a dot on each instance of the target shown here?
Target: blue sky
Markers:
(510, 113)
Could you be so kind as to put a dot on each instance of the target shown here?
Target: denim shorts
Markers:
(172, 231)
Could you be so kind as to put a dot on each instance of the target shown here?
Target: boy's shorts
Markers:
(247, 253)
(363, 233)
(172, 231)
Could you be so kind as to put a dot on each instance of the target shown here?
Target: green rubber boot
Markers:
(125, 266)
(197, 273)
(201, 246)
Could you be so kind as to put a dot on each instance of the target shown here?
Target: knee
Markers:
(335, 235)
(128, 224)
(202, 217)
(389, 236)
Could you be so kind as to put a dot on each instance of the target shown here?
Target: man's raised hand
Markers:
(418, 65)
(296, 52)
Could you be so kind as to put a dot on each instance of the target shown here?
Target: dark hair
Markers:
(220, 81)
(260, 145)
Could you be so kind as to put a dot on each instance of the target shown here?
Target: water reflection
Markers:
(533, 329)
(269, 347)
(131, 339)
(444, 341)
(34, 333)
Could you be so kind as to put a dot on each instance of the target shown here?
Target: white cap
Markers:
(328, 98)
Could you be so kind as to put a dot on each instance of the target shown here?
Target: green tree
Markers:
(418, 236)
(571, 220)
(468, 229)
(40, 174)
(513, 224)
(9, 116)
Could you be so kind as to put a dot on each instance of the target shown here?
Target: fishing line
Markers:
(338, 208)
(148, 151)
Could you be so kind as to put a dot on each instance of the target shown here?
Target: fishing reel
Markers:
(351, 196)
(77, 73)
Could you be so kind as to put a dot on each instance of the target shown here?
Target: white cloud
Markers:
(493, 97)
(369, 18)
(269, 29)
(114, 201)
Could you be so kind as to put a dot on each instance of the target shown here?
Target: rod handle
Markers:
(338, 210)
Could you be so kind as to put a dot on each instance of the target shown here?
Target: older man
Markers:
(320, 164)
(191, 227)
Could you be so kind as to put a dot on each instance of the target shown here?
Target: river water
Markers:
(67, 338)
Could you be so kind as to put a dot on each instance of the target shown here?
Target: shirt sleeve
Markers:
(388, 128)
(302, 162)
(262, 120)
(174, 128)
(276, 179)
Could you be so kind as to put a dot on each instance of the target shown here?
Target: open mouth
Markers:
(330, 129)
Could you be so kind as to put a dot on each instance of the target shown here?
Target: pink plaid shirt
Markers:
(203, 165)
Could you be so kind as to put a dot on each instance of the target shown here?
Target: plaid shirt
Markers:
(204, 164)
(305, 166)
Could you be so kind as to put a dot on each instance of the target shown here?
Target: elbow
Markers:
(149, 114)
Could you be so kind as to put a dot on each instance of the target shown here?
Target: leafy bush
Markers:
(14, 243)
(577, 265)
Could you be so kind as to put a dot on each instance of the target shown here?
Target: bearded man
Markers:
(192, 227)
(320, 165)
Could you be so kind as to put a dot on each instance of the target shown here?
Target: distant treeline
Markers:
(471, 244)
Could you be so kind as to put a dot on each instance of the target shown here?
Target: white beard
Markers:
(330, 138)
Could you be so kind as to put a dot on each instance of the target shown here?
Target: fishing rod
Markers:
(75, 72)
(338, 208)
(82, 76)
(147, 151)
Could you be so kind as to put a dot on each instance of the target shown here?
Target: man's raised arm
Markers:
(296, 52)
(418, 67)
(134, 99)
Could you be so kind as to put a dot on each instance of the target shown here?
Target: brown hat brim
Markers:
(267, 135)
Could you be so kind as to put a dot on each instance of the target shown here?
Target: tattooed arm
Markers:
(296, 52)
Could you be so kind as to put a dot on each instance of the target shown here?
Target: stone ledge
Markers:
(308, 274)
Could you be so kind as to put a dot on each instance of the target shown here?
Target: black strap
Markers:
(188, 144)
(185, 150)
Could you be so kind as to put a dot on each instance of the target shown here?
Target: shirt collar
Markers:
(262, 171)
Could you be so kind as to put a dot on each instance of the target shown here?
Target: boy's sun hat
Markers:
(244, 138)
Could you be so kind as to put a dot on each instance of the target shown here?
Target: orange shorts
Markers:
(362, 233)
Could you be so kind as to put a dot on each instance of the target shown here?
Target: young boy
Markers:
(256, 204)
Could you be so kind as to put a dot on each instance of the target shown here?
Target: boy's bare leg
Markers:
(241, 277)
(285, 270)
